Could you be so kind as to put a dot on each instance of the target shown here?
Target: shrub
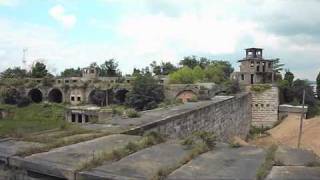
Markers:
(260, 88)
(131, 113)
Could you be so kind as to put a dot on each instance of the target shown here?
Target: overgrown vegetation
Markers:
(149, 139)
(291, 92)
(260, 88)
(33, 118)
(146, 93)
(258, 131)
(199, 142)
(265, 168)
(202, 70)
(59, 143)
(131, 113)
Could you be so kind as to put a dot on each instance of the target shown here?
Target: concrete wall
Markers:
(265, 107)
(227, 118)
(286, 110)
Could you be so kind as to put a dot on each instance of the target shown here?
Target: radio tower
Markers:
(24, 61)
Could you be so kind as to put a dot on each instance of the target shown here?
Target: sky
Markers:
(72, 33)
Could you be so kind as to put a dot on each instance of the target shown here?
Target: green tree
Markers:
(110, 69)
(146, 93)
(72, 72)
(167, 68)
(39, 70)
(182, 76)
(198, 73)
(15, 72)
(156, 69)
(164, 68)
(214, 73)
(289, 76)
(189, 61)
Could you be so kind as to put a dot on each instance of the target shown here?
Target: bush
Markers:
(131, 113)
(198, 137)
(260, 88)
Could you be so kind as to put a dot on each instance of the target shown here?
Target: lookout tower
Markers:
(254, 69)
(90, 73)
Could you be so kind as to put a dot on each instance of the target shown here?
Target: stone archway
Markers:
(186, 95)
(55, 95)
(35, 95)
(98, 97)
(120, 96)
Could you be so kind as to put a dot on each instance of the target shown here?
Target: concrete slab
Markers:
(294, 173)
(295, 157)
(222, 163)
(10, 147)
(141, 165)
(63, 162)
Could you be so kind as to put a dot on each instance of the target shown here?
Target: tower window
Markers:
(252, 64)
(242, 77)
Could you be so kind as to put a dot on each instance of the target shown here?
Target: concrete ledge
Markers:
(143, 164)
(63, 162)
(10, 147)
(294, 173)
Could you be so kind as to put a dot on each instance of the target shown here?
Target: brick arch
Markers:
(36, 95)
(120, 95)
(186, 95)
(55, 95)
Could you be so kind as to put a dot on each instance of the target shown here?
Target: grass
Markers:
(257, 131)
(234, 145)
(198, 143)
(260, 88)
(147, 140)
(59, 143)
(131, 113)
(30, 119)
(265, 168)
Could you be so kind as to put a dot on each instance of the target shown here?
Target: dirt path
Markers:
(287, 134)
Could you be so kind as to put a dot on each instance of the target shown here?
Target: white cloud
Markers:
(58, 13)
(8, 2)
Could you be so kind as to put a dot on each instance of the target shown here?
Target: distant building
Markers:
(254, 69)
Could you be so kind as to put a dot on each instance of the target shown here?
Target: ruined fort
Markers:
(227, 116)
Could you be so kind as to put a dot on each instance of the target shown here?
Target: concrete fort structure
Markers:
(93, 89)
(254, 69)
(257, 71)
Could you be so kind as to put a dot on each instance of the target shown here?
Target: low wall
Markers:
(286, 110)
(226, 118)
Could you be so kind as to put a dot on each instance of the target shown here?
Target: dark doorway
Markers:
(120, 96)
(55, 95)
(252, 78)
(98, 97)
(35, 95)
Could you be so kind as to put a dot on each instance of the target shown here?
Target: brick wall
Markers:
(227, 118)
(265, 107)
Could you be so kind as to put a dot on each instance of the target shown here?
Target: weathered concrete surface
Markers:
(222, 163)
(295, 157)
(294, 173)
(141, 165)
(227, 116)
(63, 162)
(10, 147)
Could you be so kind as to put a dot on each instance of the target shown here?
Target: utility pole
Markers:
(301, 118)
